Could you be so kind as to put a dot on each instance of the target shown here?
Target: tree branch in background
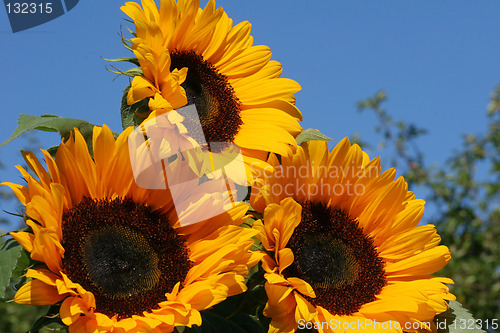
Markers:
(465, 193)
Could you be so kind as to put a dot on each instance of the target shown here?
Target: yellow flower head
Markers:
(114, 254)
(196, 56)
(344, 251)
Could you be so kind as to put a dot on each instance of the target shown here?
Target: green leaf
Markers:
(51, 123)
(311, 134)
(53, 151)
(10, 251)
(52, 316)
(458, 320)
(225, 317)
(129, 112)
(23, 263)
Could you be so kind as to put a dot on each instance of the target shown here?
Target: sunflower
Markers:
(344, 251)
(114, 255)
(190, 55)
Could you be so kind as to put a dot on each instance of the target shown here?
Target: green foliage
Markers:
(398, 134)
(14, 262)
(52, 123)
(458, 320)
(465, 201)
(19, 318)
(238, 314)
(10, 252)
(311, 134)
(131, 72)
(132, 60)
(225, 317)
(133, 115)
(50, 318)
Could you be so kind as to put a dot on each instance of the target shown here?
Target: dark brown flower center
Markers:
(336, 258)
(341, 269)
(217, 106)
(124, 253)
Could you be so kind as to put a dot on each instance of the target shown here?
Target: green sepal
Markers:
(458, 320)
(134, 71)
(127, 43)
(132, 60)
(10, 252)
(311, 134)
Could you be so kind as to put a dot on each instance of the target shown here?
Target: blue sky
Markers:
(437, 61)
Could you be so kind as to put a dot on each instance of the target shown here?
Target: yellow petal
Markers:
(304, 309)
(36, 292)
(302, 286)
(426, 262)
(25, 239)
